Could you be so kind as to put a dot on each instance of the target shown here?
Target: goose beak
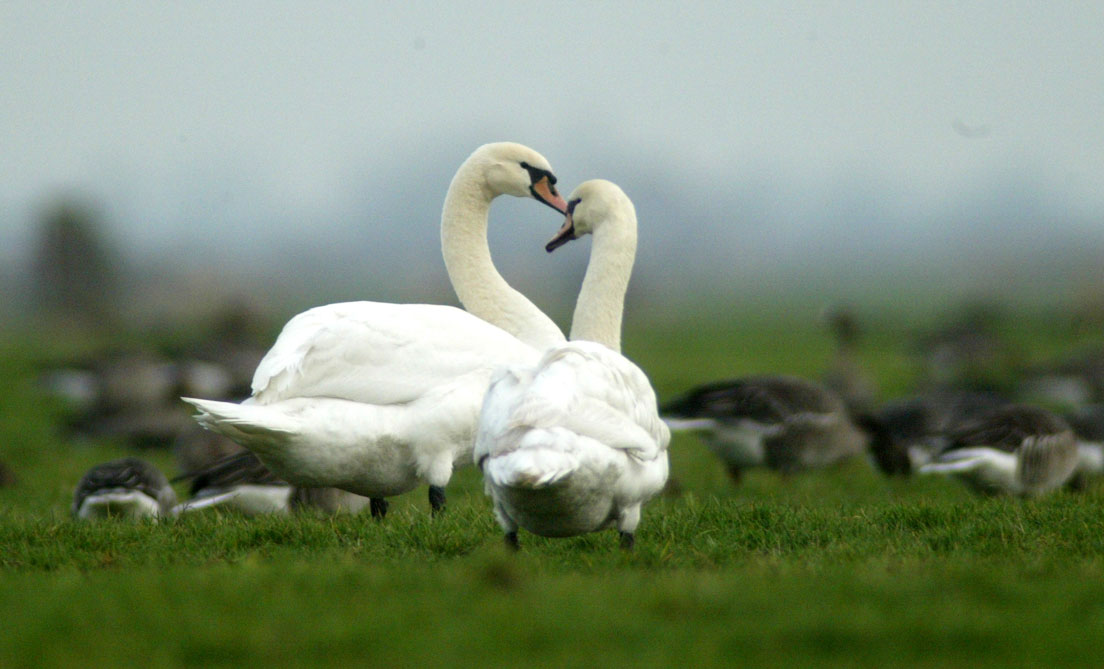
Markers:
(565, 235)
(544, 192)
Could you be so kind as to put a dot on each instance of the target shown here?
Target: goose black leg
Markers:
(436, 499)
(628, 540)
(378, 507)
(511, 539)
(735, 473)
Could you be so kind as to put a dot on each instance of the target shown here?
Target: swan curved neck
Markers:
(601, 303)
(478, 285)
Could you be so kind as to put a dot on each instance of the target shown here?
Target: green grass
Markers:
(841, 567)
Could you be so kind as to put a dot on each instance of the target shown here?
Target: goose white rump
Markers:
(572, 445)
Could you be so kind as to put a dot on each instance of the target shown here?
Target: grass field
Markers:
(835, 568)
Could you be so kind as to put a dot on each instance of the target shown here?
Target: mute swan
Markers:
(129, 488)
(1017, 449)
(782, 422)
(374, 398)
(574, 443)
(240, 482)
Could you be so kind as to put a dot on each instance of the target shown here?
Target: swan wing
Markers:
(579, 388)
(379, 353)
(613, 402)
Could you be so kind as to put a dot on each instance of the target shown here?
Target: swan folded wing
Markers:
(379, 353)
(496, 416)
(594, 392)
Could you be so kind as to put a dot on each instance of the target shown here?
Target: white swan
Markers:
(374, 398)
(574, 443)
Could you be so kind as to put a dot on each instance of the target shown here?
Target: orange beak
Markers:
(544, 192)
(565, 234)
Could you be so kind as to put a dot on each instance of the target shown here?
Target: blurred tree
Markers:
(74, 272)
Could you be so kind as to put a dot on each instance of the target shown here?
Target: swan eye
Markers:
(571, 205)
(537, 173)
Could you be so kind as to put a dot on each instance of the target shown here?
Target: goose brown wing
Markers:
(1007, 428)
(236, 469)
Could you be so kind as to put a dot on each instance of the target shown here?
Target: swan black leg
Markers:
(378, 507)
(436, 499)
(511, 539)
(628, 540)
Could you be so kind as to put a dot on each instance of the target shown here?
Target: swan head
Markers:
(515, 169)
(590, 205)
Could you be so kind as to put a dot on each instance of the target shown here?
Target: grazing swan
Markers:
(241, 483)
(374, 398)
(127, 488)
(574, 443)
(1017, 449)
(785, 423)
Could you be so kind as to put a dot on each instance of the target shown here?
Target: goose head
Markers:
(515, 169)
(590, 206)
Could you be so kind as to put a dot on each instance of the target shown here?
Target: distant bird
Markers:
(785, 423)
(241, 483)
(129, 488)
(1088, 424)
(196, 449)
(238, 482)
(906, 433)
(1068, 382)
(378, 398)
(965, 353)
(574, 443)
(971, 131)
(7, 478)
(237, 338)
(1016, 449)
(846, 376)
(132, 395)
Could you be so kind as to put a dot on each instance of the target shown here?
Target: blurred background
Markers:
(160, 160)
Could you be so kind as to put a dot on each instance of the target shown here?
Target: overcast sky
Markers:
(774, 126)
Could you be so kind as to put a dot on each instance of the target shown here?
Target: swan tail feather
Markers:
(240, 421)
(531, 468)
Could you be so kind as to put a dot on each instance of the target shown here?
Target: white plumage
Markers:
(574, 443)
(377, 398)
